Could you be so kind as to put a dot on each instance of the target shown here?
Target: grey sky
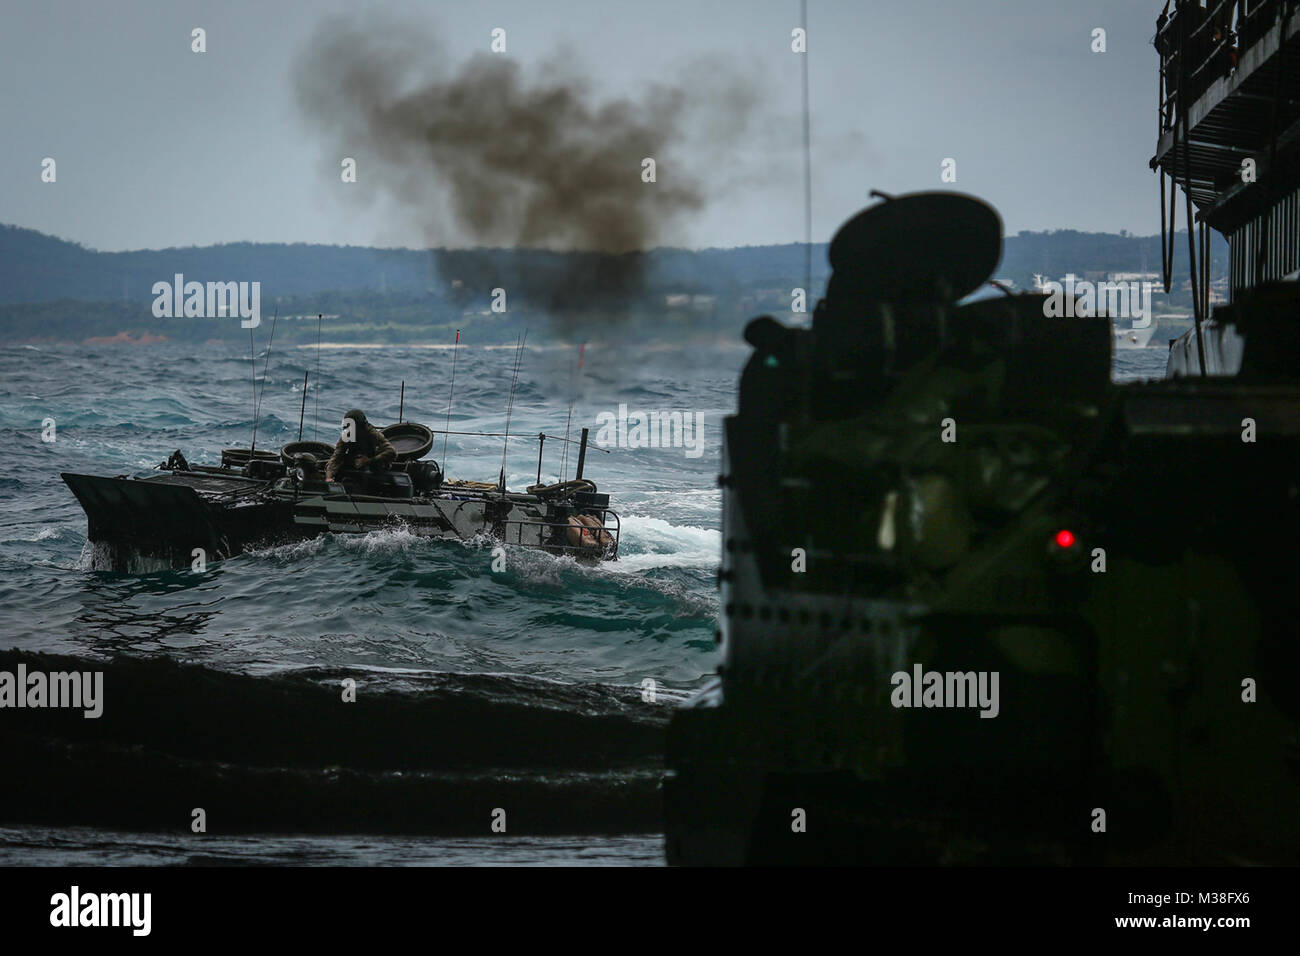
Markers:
(158, 146)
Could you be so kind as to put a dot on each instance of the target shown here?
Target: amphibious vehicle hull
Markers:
(167, 520)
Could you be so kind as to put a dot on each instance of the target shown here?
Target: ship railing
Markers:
(1197, 45)
(541, 438)
(613, 530)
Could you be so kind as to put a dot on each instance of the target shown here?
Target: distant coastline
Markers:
(52, 291)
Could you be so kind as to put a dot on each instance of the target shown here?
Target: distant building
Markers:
(682, 300)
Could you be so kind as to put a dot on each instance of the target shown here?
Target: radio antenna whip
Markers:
(252, 364)
(510, 406)
(573, 397)
(302, 412)
(454, 350)
(258, 395)
(316, 426)
(807, 158)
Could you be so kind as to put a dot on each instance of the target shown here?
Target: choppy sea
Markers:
(522, 690)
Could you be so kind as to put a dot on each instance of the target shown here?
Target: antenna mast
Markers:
(807, 160)
(257, 396)
(252, 365)
(454, 350)
(316, 426)
(573, 389)
(510, 406)
(302, 412)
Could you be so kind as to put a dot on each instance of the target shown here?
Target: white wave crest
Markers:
(648, 542)
(43, 535)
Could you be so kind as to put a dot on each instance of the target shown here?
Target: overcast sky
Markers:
(159, 146)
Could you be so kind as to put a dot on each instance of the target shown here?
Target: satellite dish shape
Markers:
(932, 241)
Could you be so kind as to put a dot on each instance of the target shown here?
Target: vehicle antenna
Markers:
(510, 406)
(564, 465)
(401, 402)
(252, 364)
(573, 396)
(807, 157)
(454, 349)
(303, 411)
(316, 427)
(257, 396)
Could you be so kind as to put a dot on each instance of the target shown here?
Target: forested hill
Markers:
(35, 267)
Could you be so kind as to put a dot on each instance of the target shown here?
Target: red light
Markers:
(1065, 539)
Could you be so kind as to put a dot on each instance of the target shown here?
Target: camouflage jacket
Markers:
(371, 443)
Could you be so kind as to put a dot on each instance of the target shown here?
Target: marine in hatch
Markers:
(361, 446)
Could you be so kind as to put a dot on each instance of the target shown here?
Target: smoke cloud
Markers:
(487, 153)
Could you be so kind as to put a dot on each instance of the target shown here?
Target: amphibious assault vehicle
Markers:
(259, 498)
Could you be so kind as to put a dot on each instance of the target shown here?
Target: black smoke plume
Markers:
(486, 153)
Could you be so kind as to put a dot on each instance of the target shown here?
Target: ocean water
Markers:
(384, 600)
(1135, 365)
(522, 690)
